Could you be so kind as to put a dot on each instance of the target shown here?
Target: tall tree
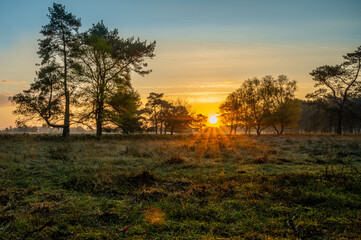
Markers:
(49, 96)
(60, 37)
(105, 63)
(338, 84)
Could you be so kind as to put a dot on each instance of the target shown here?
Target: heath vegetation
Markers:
(204, 186)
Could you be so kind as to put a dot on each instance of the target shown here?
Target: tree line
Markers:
(269, 102)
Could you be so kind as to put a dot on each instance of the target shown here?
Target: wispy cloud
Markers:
(11, 82)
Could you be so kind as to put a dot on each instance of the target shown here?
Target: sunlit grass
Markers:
(207, 185)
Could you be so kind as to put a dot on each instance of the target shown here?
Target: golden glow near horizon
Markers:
(213, 119)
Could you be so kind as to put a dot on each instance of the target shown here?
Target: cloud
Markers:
(4, 99)
(11, 82)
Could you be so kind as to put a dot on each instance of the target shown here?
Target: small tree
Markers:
(123, 110)
(180, 116)
(338, 84)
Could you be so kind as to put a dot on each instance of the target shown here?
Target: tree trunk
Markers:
(171, 130)
(100, 114)
(282, 129)
(275, 128)
(66, 129)
(156, 122)
(339, 122)
(99, 127)
(258, 130)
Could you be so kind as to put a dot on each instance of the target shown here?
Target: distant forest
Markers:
(84, 79)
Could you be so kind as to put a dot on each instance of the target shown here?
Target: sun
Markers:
(213, 119)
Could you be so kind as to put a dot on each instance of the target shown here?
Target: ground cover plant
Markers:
(202, 186)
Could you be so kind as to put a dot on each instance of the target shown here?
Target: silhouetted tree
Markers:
(153, 107)
(49, 97)
(200, 121)
(261, 103)
(230, 113)
(284, 108)
(338, 84)
(180, 116)
(258, 100)
(166, 115)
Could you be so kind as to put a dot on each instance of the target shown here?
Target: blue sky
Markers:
(278, 21)
(205, 48)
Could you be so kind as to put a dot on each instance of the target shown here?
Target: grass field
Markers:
(205, 186)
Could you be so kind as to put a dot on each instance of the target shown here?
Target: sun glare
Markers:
(213, 119)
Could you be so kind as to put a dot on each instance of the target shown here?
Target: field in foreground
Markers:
(184, 187)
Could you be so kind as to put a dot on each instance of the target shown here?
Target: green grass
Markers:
(181, 187)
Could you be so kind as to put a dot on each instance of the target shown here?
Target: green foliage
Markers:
(105, 62)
